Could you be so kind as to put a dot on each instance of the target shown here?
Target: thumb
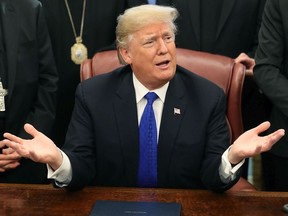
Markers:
(30, 129)
(262, 127)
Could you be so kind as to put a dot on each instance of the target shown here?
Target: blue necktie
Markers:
(152, 2)
(147, 170)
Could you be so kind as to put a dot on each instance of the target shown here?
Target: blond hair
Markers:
(138, 17)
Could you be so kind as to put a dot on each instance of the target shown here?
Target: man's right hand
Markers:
(39, 149)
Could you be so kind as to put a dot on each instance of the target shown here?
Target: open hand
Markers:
(250, 143)
(39, 149)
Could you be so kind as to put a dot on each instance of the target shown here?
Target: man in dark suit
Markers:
(103, 145)
(225, 27)
(29, 75)
(271, 74)
(99, 22)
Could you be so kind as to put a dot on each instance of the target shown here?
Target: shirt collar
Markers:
(141, 90)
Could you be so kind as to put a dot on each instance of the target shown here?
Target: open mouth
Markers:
(163, 63)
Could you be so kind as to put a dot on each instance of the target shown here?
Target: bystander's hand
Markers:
(9, 158)
(247, 61)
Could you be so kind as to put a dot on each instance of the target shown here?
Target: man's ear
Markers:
(124, 56)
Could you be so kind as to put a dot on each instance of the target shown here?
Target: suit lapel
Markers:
(11, 26)
(126, 117)
(227, 7)
(173, 113)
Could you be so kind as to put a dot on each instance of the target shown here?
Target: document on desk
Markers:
(125, 208)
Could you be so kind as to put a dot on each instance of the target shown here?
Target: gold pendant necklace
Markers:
(78, 51)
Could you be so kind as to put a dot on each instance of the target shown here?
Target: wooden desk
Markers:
(31, 200)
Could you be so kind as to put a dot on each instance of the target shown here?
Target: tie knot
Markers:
(151, 97)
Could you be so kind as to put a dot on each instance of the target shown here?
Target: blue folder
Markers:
(125, 208)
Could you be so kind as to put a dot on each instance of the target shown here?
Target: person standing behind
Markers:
(28, 84)
(92, 21)
(271, 75)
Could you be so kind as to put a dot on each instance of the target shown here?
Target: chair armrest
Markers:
(242, 185)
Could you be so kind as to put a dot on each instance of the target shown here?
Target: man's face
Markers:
(152, 55)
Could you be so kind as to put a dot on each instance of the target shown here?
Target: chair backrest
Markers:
(219, 69)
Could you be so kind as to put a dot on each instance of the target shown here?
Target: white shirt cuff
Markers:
(63, 174)
(227, 172)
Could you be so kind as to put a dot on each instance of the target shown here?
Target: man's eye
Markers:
(149, 42)
(168, 38)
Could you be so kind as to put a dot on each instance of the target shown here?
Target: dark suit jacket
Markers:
(102, 138)
(32, 78)
(271, 70)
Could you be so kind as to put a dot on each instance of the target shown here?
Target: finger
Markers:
(242, 57)
(19, 148)
(11, 137)
(2, 144)
(276, 136)
(11, 165)
(262, 127)
(11, 141)
(8, 151)
(249, 72)
(31, 130)
(14, 156)
(4, 163)
(271, 139)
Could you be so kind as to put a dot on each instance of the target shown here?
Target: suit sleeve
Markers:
(217, 143)
(270, 71)
(79, 144)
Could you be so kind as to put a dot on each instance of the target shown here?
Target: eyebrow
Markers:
(153, 35)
